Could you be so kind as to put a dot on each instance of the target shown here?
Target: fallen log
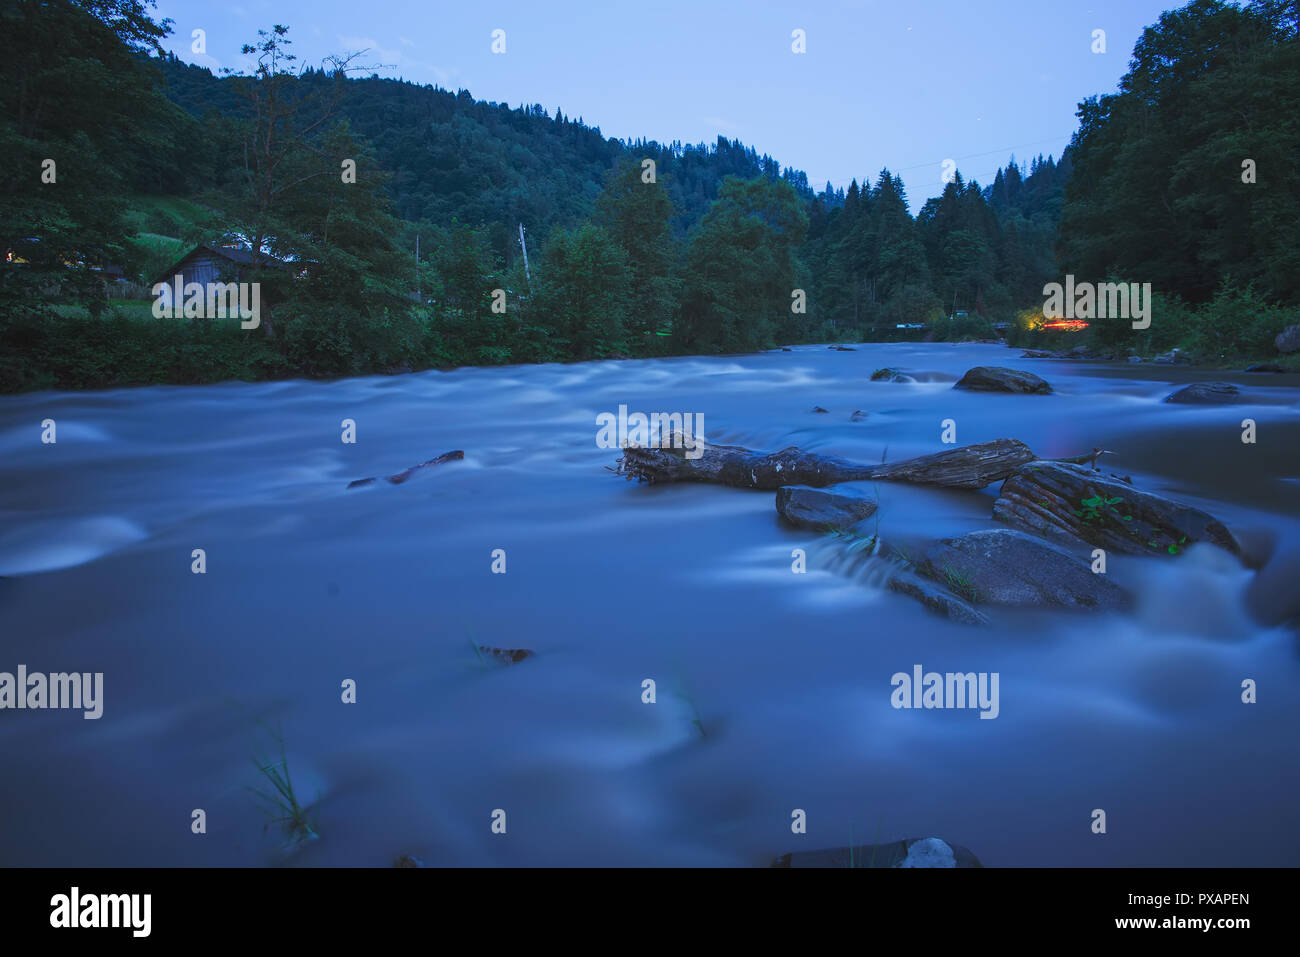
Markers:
(973, 466)
(402, 476)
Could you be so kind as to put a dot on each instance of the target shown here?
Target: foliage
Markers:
(742, 268)
(1157, 193)
(1093, 511)
(703, 256)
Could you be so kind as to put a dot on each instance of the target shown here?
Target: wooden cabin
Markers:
(208, 264)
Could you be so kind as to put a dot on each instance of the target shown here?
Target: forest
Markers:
(121, 158)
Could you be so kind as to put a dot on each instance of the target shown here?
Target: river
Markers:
(310, 584)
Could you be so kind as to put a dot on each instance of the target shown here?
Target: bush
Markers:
(76, 351)
(1237, 322)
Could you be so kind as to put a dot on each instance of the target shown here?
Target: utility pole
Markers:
(527, 275)
(419, 293)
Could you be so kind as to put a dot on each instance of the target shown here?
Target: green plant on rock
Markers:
(960, 583)
(1093, 510)
(1173, 548)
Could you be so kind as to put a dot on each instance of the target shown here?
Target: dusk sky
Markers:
(903, 85)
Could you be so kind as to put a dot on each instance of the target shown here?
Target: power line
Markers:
(1003, 149)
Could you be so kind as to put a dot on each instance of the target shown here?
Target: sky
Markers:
(903, 84)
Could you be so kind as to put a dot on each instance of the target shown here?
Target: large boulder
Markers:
(1002, 566)
(913, 852)
(1205, 393)
(822, 509)
(1288, 340)
(998, 379)
(1073, 502)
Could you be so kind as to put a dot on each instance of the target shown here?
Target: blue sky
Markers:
(899, 84)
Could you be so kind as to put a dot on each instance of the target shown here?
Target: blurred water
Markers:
(309, 583)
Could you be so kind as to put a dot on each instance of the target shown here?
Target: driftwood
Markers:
(973, 466)
(401, 477)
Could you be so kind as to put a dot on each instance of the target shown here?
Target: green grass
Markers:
(126, 308)
(854, 860)
(853, 542)
(960, 583)
(281, 802)
(169, 216)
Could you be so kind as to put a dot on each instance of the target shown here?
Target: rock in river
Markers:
(1074, 502)
(938, 600)
(998, 379)
(817, 508)
(1205, 393)
(1002, 566)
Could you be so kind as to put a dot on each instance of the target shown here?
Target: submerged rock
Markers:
(817, 508)
(889, 375)
(936, 598)
(998, 379)
(506, 656)
(1272, 597)
(1205, 393)
(913, 852)
(1074, 503)
(1002, 566)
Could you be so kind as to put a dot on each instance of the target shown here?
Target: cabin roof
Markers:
(234, 254)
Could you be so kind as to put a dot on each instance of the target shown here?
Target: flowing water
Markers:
(309, 583)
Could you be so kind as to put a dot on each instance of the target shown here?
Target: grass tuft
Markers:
(960, 584)
(281, 802)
